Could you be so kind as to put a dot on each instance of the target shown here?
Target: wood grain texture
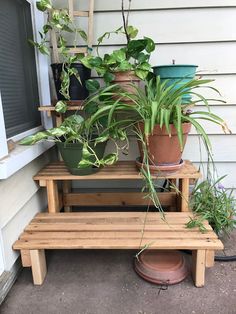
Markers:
(199, 265)
(128, 230)
(122, 170)
(116, 199)
(39, 267)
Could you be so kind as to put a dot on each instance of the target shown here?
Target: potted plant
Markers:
(130, 63)
(211, 201)
(162, 122)
(68, 72)
(127, 64)
(81, 148)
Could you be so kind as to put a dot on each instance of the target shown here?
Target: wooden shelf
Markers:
(122, 170)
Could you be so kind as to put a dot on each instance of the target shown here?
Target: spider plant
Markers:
(159, 103)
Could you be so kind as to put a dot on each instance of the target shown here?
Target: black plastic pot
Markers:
(71, 153)
(76, 90)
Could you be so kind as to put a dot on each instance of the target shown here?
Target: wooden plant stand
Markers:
(54, 173)
(114, 230)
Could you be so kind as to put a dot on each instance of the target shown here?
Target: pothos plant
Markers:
(74, 130)
(59, 21)
(134, 56)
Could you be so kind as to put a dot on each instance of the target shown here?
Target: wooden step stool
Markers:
(115, 230)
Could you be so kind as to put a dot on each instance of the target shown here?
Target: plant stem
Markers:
(125, 23)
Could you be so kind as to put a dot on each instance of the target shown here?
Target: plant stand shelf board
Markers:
(115, 230)
(53, 173)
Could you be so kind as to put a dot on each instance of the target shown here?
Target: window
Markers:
(18, 78)
(24, 83)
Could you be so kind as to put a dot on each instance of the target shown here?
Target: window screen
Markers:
(18, 79)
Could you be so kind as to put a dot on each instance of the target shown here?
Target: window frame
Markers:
(10, 162)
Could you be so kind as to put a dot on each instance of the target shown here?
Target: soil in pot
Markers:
(72, 153)
(76, 90)
(163, 150)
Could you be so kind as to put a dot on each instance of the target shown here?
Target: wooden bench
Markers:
(115, 230)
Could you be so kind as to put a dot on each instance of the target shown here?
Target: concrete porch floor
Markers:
(103, 282)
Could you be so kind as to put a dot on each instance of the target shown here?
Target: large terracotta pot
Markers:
(164, 150)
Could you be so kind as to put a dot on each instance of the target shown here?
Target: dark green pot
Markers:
(71, 153)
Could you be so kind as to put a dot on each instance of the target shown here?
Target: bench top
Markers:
(122, 170)
(115, 230)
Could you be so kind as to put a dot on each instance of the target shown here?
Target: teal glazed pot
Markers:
(71, 153)
(177, 73)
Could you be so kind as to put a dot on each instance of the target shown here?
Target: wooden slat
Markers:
(90, 23)
(117, 235)
(107, 227)
(52, 108)
(78, 50)
(123, 170)
(110, 214)
(115, 221)
(119, 244)
(81, 13)
(116, 199)
(71, 9)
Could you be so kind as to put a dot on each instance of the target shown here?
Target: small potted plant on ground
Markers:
(68, 72)
(211, 201)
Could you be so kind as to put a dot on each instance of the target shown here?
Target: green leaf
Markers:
(43, 5)
(102, 138)
(108, 77)
(85, 163)
(142, 74)
(119, 55)
(32, 139)
(56, 132)
(95, 61)
(144, 66)
(46, 28)
(66, 28)
(125, 66)
(150, 45)
(109, 159)
(43, 49)
(61, 106)
(83, 34)
(132, 31)
(92, 85)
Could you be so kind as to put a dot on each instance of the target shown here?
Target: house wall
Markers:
(21, 198)
(201, 32)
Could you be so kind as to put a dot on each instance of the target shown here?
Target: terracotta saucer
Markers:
(157, 170)
(162, 266)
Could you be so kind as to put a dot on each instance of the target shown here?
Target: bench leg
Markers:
(39, 267)
(198, 264)
(25, 258)
(210, 258)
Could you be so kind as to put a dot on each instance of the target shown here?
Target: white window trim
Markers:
(22, 155)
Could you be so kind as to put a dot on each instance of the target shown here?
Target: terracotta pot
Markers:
(124, 79)
(163, 149)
